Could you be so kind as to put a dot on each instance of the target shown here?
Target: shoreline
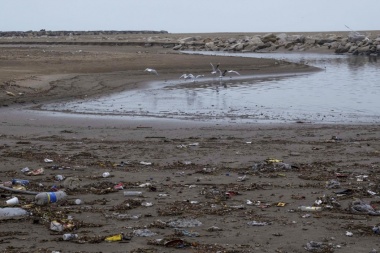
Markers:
(226, 188)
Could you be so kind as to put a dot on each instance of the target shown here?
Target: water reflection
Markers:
(346, 91)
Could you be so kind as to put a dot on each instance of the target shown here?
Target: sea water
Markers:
(346, 90)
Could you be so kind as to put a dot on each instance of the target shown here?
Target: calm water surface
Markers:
(347, 90)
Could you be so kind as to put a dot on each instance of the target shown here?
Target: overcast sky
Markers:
(190, 16)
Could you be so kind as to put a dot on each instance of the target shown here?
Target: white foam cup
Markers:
(12, 201)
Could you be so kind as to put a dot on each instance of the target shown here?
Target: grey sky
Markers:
(195, 16)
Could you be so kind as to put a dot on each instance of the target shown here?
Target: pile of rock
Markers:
(44, 32)
(354, 43)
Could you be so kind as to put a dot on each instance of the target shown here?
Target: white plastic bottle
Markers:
(44, 198)
(310, 208)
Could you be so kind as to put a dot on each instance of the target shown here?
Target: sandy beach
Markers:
(205, 187)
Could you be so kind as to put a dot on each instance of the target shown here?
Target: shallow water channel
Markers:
(347, 90)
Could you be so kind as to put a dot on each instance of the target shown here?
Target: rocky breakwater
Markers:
(352, 43)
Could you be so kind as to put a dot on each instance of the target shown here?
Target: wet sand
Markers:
(220, 177)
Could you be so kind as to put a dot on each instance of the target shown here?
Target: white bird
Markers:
(187, 76)
(230, 71)
(215, 70)
(151, 71)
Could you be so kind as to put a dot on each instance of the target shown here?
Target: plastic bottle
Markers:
(310, 208)
(44, 198)
(20, 181)
(9, 212)
(68, 237)
(132, 193)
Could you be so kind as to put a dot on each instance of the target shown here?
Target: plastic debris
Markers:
(360, 207)
(68, 237)
(143, 233)
(114, 238)
(333, 184)
(36, 172)
(184, 223)
(44, 198)
(11, 212)
(47, 160)
(71, 183)
(256, 223)
(183, 232)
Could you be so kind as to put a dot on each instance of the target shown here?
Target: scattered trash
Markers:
(145, 163)
(71, 183)
(213, 229)
(349, 234)
(36, 172)
(184, 223)
(20, 182)
(114, 238)
(344, 192)
(56, 226)
(147, 204)
(281, 204)
(26, 169)
(376, 229)
(143, 233)
(359, 207)
(47, 160)
(182, 232)
(310, 208)
(78, 201)
(333, 184)
(44, 198)
(132, 193)
(106, 174)
(59, 177)
(256, 223)
(69, 237)
(12, 202)
(119, 186)
(11, 212)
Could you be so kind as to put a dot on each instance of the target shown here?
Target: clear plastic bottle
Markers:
(68, 237)
(9, 212)
(310, 208)
(44, 198)
(132, 193)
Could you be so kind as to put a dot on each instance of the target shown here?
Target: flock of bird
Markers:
(215, 71)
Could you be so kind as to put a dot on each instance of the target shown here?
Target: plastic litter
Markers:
(36, 172)
(143, 233)
(20, 182)
(11, 212)
(47, 160)
(333, 184)
(310, 208)
(256, 223)
(71, 183)
(44, 198)
(184, 223)
(13, 201)
(106, 174)
(68, 237)
(360, 207)
(116, 238)
(133, 193)
(184, 232)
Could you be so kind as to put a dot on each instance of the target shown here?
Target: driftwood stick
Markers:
(18, 191)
